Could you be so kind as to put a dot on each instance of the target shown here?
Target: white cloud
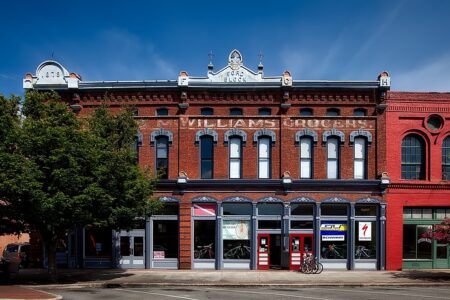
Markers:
(121, 55)
(434, 76)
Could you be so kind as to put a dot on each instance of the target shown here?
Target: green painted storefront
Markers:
(420, 252)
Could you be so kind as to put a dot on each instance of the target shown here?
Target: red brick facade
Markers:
(251, 91)
(407, 113)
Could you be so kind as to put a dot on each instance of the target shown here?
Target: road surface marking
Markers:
(267, 293)
(384, 293)
(157, 294)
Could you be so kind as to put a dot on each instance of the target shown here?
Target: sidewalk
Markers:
(104, 278)
(19, 292)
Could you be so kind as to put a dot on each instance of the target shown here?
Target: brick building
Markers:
(254, 170)
(418, 161)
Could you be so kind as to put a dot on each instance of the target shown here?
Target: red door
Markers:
(300, 244)
(263, 251)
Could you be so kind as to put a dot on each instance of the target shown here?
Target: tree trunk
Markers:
(51, 256)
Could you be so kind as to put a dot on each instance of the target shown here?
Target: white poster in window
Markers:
(365, 231)
(235, 230)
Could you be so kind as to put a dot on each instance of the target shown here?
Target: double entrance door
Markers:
(269, 251)
(132, 249)
(300, 244)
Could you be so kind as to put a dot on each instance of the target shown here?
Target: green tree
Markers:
(63, 172)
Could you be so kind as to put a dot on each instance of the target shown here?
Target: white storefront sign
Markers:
(365, 231)
(235, 230)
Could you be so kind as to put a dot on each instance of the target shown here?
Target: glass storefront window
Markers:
(414, 245)
(301, 224)
(333, 239)
(270, 209)
(269, 224)
(165, 239)
(98, 242)
(365, 210)
(204, 239)
(366, 240)
(236, 239)
(409, 241)
(423, 244)
(168, 209)
(301, 209)
(334, 209)
(237, 209)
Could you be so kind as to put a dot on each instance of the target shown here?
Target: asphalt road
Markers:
(231, 293)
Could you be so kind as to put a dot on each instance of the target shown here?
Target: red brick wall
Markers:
(407, 113)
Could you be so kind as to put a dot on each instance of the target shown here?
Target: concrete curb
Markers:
(165, 284)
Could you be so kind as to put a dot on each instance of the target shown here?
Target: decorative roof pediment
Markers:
(235, 72)
(360, 132)
(50, 74)
(160, 132)
(270, 200)
(235, 132)
(306, 132)
(206, 131)
(204, 199)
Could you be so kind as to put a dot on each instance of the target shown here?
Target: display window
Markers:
(302, 209)
(415, 246)
(333, 235)
(165, 239)
(204, 239)
(236, 239)
(270, 209)
(98, 242)
(365, 240)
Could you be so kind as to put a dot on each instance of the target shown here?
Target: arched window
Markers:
(360, 112)
(446, 159)
(206, 157)
(162, 157)
(306, 112)
(333, 112)
(162, 112)
(333, 158)
(264, 111)
(360, 158)
(306, 157)
(413, 157)
(235, 111)
(207, 111)
(264, 157)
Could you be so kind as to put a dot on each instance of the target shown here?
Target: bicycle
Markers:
(362, 252)
(204, 252)
(331, 252)
(238, 252)
(310, 265)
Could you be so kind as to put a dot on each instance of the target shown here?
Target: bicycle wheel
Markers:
(305, 268)
(319, 268)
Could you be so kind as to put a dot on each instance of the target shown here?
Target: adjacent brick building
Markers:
(255, 170)
(418, 161)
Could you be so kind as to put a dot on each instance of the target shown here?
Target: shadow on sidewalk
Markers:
(423, 275)
(65, 276)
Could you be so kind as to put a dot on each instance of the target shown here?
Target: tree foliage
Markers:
(59, 172)
(440, 233)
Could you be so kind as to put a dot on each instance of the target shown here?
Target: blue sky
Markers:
(137, 40)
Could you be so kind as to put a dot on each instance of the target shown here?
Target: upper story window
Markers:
(360, 112)
(264, 157)
(235, 111)
(162, 112)
(306, 112)
(206, 157)
(306, 157)
(162, 157)
(136, 145)
(360, 160)
(135, 111)
(264, 111)
(413, 157)
(235, 159)
(333, 112)
(333, 158)
(446, 159)
(207, 111)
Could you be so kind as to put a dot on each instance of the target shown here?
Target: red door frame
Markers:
(296, 255)
(263, 252)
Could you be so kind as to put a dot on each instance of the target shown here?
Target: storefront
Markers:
(420, 252)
